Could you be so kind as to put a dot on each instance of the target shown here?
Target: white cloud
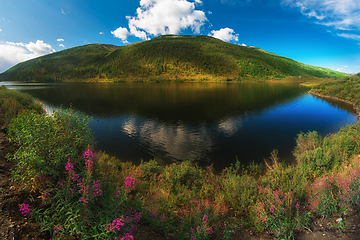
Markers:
(155, 17)
(350, 36)
(62, 11)
(225, 34)
(243, 44)
(12, 53)
(60, 40)
(61, 45)
(0, 30)
(40, 48)
(121, 33)
(340, 14)
(101, 33)
(344, 70)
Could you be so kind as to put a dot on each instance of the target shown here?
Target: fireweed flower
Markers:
(115, 225)
(61, 183)
(205, 219)
(129, 182)
(127, 236)
(24, 209)
(69, 167)
(89, 163)
(88, 153)
(43, 177)
(58, 228)
(84, 200)
(97, 188)
(154, 215)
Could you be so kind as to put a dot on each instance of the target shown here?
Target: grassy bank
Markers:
(95, 196)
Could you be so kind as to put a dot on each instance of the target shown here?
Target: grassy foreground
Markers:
(91, 195)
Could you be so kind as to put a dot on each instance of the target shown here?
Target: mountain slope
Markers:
(166, 57)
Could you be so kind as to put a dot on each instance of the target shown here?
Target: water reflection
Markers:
(207, 123)
(229, 126)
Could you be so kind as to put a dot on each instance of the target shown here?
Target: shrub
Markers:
(46, 144)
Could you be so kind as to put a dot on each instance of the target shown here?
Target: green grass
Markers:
(169, 57)
(347, 88)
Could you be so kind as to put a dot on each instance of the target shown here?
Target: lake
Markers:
(204, 122)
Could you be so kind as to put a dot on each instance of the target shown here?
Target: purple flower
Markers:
(127, 236)
(84, 200)
(69, 167)
(89, 163)
(115, 225)
(205, 219)
(129, 182)
(58, 228)
(97, 188)
(24, 209)
(88, 153)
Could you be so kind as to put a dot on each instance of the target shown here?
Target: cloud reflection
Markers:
(230, 126)
(179, 142)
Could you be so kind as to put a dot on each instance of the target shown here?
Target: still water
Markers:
(205, 122)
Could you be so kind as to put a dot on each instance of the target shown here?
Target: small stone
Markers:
(11, 225)
(339, 220)
(12, 188)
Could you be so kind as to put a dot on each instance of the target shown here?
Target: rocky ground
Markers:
(13, 225)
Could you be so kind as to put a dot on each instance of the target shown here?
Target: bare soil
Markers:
(14, 226)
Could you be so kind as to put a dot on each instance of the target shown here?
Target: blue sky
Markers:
(323, 33)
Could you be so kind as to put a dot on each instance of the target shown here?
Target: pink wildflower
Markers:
(88, 153)
(205, 219)
(24, 209)
(129, 182)
(69, 167)
(58, 228)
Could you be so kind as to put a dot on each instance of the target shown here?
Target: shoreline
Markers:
(355, 107)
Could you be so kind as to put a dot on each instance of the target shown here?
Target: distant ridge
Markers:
(167, 57)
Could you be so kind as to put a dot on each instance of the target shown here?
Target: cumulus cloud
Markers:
(225, 34)
(101, 33)
(121, 33)
(62, 11)
(60, 40)
(39, 48)
(61, 45)
(0, 30)
(12, 53)
(155, 17)
(342, 15)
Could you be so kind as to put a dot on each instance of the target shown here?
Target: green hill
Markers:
(168, 57)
